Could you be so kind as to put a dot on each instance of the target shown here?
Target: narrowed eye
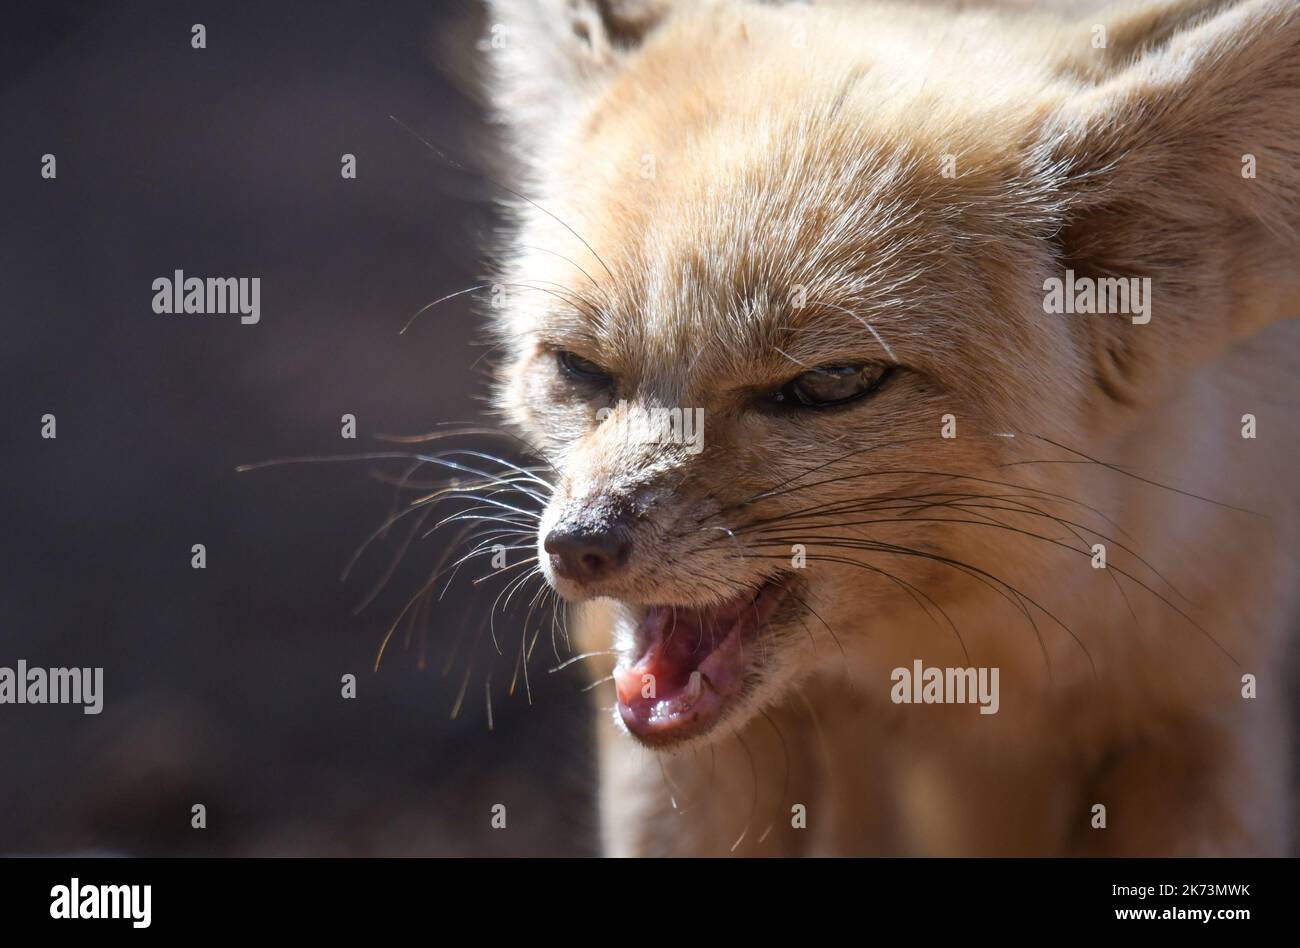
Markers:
(832, 385)
(576, 367)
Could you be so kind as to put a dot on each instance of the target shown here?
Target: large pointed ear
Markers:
(1183, 166)
(546, 57)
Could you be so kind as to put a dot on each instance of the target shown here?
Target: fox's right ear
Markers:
(546, 57)
(1183, 167)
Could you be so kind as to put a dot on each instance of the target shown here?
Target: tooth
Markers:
(693, 687)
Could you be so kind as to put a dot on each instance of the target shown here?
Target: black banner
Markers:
(173, 896)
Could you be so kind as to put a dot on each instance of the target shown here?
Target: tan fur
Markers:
(801, 146)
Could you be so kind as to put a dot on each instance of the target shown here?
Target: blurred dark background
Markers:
(222, 685)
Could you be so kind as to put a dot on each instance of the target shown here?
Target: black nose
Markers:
(586, 554)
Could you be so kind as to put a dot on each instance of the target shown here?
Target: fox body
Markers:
(833, 231)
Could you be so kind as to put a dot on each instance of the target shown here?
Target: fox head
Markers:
(778, 306)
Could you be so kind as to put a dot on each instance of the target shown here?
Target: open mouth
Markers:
(690, 663)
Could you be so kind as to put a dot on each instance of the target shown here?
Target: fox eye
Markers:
(584, 370)
(832, 385)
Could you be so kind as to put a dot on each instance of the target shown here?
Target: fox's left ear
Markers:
(1184, 167)
(545, 57)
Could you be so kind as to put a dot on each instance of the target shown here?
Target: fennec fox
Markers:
(921, 402)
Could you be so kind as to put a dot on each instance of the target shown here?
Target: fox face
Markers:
(776, 313)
